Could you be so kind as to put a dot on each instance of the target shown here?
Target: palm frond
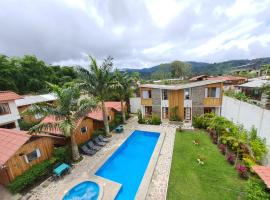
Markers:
(85, 106)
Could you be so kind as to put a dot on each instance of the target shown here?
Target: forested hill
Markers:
(163, 70)
(29, 75)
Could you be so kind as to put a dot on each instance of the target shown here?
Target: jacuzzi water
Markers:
(87, 190)
(128, 164)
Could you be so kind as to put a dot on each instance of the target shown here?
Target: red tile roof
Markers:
(8, 96)
(10, 141)
(264, 173)
(114, 104)
(95, 114)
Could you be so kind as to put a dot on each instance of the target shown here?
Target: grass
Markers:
(216, 179)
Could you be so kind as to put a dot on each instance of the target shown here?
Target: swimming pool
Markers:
(86, 190)
(128, 164)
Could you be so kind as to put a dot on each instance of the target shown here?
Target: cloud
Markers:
(136, 33)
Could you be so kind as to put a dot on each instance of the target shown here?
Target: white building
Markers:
(9, 113)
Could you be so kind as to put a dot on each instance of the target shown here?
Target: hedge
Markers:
(39, 171)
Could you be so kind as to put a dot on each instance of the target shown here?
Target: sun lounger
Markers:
(87, 151)
(98, 142)
(91, 145)
(103, 139)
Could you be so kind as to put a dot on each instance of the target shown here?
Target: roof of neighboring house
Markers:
(255, 83)
(197, 77)
(264, 173)
(10, 141)
(114, 104)
(8, 96)
(95, 114)
(181, 86)
(227, 78)
(32, 99)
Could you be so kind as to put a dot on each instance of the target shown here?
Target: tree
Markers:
(180, 69)
(98, 81)
(67, 111)
(123, 89)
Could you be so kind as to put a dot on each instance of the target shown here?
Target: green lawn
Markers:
(189, 180)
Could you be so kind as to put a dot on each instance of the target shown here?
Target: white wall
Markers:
(135, 104)
(13, 117)
(248, 115)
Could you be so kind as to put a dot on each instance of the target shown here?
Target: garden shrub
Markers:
(256, 190)
(63, 154)
(41, 170)
(30, 176)
(259, 148)
(25, 126)
(242, 171)
(222, 148)
(231, 158)
(98, 132)
(174, 114)
(155, 120)
(141, 120)
(249, 162)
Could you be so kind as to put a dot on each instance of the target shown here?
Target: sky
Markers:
(136, 33)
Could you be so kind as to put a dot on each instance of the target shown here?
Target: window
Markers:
(187, 94)
(148, 110)
(212, 92)
(164, 94)
(209, 110)
(4, 109)
(165, 112)
(187, 113)
(147, 94)
(32, 156)
(84, 130)
(109, 118)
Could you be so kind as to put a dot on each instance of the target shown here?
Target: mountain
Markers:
(163, 70)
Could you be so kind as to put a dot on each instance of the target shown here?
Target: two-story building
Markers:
(186, 100)
(9, 114)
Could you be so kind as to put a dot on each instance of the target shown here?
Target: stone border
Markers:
(147, 177)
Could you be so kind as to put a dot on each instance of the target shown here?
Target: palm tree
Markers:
(98, 81)
(123, 89)
(66, 112)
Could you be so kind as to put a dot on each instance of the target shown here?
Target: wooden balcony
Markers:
(146, 102)
(212, 102)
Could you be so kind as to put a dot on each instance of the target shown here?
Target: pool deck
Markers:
(155, 181)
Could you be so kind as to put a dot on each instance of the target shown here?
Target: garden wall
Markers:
(248, 115)
(135, 104)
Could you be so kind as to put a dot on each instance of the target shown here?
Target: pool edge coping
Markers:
(148, 174)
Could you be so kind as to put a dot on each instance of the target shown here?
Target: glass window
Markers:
(164, 94)
(4, 109)
(187, 94)
(84, 130)
(147, 94)
(32, 156)
(211, 92)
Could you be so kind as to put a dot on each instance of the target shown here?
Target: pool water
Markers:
(84, 191)
(128, 164)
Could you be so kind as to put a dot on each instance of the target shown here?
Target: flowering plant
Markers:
(222, 148)
(242, 171)
(196, 142)
(231, 158)
(201, 160)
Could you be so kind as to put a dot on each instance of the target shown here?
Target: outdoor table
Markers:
(61, 169)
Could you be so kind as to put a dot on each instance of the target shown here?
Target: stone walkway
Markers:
(159, 182)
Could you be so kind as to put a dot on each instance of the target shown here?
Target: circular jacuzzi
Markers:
(86, 190)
